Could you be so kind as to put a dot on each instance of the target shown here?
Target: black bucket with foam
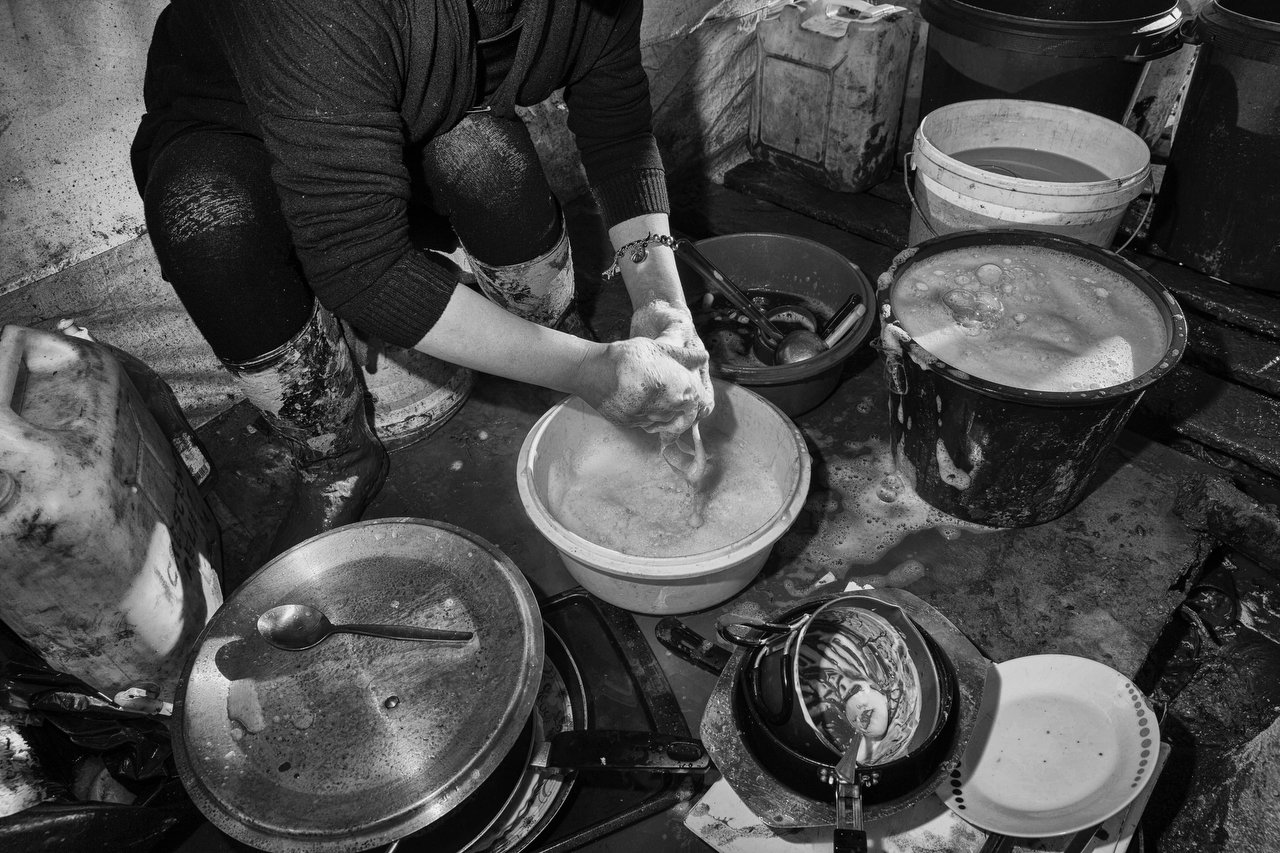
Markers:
(994, 454)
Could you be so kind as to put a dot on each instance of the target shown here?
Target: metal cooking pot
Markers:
(360, 742)
(783, 702)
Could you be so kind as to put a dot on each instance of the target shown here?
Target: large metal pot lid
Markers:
(359, 741)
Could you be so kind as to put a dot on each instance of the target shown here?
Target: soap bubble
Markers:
(989, 273)
(969, 309)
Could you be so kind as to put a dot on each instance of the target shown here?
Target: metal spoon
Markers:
(788, 348)
(299, 626)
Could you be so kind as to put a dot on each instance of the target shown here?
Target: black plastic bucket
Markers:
(994, 454)
(1087, 54)
(1219, 201)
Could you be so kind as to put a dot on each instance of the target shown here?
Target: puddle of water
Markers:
(866, 523)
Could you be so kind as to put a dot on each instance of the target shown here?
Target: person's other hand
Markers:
(650, 385)
(673, 326)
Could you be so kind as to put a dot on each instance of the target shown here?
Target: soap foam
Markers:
(623, 495)
(1030, 317)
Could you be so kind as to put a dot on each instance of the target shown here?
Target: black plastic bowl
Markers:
(795, 266)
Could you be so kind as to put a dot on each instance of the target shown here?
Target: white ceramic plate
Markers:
(1061, 743)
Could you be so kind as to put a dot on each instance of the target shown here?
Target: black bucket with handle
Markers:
(992, 451)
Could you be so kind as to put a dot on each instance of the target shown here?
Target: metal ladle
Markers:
(294, 627)
(787, 348)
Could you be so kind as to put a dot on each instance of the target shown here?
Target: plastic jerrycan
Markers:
(109, 556)
(829, 92)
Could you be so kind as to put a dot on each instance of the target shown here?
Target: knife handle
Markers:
(607, 749)
(850, 841)
(689, 645)
(850, 837)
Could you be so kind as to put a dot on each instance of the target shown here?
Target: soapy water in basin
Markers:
(618, 492)
(1031, 317)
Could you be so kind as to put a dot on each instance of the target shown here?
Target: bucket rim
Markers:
(1237, 32)
(974, 10)
(632, 567)
(1235, 16)
(1166, 305)
(926, 151)
(1141, 38)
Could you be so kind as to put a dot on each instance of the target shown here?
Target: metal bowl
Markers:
(775, 706)
(881, 783)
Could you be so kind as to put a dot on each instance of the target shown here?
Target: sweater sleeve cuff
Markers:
(632, 193)
(406, 302)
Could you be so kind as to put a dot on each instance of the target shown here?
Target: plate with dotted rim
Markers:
(1061, 743)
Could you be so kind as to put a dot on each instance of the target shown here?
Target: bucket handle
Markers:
(915, 205)
(1189, 31)
(1137, 229)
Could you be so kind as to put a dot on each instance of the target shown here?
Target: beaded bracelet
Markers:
(638, 251)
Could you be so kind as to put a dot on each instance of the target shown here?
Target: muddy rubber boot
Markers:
(312, 398)
(541, 290)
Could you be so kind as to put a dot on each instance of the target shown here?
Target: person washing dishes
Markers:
(283, 148)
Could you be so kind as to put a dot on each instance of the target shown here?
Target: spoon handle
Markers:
(405, 632)
(846, 323)
(721, 284)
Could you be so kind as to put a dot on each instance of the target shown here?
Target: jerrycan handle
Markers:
(865, 11)
(14, 430)
(19, 347)
(11, 349)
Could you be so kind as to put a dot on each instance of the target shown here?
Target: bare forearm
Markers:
(655, 279)
(474, 332)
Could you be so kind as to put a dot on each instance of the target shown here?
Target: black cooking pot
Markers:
(776, 725)
(813, 778)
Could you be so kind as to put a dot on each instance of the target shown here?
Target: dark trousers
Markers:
(223, 244)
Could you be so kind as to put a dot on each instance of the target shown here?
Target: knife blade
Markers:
(610, 749)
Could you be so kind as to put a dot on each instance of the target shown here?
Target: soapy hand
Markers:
(651, 386)
(673, 328)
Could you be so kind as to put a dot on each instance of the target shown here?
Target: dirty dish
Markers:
(859, 681)
(791, 270)
(294, 627)
(851, 665)
(1061, 743)
(798, 342)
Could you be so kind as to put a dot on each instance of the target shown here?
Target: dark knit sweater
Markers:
(340, 90)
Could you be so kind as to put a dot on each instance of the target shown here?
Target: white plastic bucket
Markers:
(414, 395)
(950, 195)
(666, 585)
